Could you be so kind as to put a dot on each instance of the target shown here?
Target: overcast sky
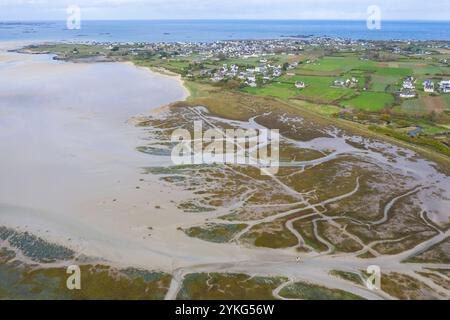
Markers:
(225, 9)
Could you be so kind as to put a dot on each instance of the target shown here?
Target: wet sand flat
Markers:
(69, 167)
(70, 171)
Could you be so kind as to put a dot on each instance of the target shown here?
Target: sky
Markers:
(225, 9)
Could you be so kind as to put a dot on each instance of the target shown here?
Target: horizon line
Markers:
(221, 19)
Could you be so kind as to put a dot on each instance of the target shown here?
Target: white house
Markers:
(445, 86)
(428, 86)
(407, 94)
(339, 82)
(300, 85)
(408, 83)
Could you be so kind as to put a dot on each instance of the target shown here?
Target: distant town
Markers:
(397, 88)
(256, 62)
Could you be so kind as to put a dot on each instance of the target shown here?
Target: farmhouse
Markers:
(351, 82)
(407, 94)
(292, 65)
(346, 83)
(339, 82)
(445, 86)
(408, 83)
(250, 84)
(300, 85)
(428, 86)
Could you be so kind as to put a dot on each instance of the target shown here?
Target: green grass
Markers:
(432, 129)
(196, 90)
(380, 83)
(318, 87)
(83, 49)
(326, 110)
(370, 101)
(276, 89)
(424, 141)
(244, 62)
(349, 276)
(177, 65)
(307, 291)
(219, 233)
(340, 64)
(446, 98)
(222, 286)
(398, 72)
(22, 281)
(411, 106)
(431, 70)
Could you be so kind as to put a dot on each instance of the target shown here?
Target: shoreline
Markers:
(178, 244)
(165, 73)
(39, 230)
(118, 223)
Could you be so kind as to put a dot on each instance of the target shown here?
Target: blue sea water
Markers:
(214, 30)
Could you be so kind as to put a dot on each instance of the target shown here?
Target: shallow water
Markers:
(71, 174)
(65, 142)
(214, 30)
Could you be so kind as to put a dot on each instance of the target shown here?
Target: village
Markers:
(395, 87)
(255, 63)
(408, 89)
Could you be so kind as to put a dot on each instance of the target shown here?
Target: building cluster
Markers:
(430, 87)
(207, 59)
(346, 83)
(229, 49)
(248, 76)
(408, 89)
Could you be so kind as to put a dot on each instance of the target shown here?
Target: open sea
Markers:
(215, 30)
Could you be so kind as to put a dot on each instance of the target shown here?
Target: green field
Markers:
(395, 72)
(411, 106)
(326, 110)
(244, 62)
(307, 291)
(370, 101)
(316, 88)
(432, 129)
(276, 89)
(380, 83)
(446, 98)
(340, 64)
(430, 69)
